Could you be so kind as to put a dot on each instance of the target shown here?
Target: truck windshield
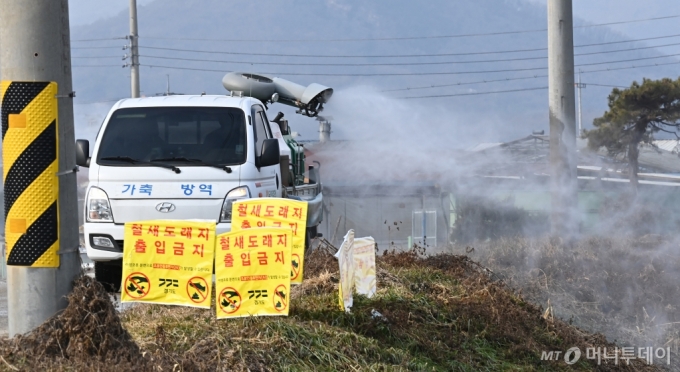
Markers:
(213, 135)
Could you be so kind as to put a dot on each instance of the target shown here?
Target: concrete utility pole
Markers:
(580, 86)
(134, 51)
(324, 130)
(35, 41)
(564, 215)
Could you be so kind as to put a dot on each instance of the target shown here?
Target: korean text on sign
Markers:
(276, 212)
(252, 272)
(168, 262)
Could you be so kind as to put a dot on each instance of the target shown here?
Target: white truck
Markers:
(191, 157)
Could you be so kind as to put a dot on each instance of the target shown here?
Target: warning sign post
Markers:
(279, 213)
(30, 168)
(168, 262)
(252, 272)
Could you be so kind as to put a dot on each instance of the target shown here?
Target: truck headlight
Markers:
(238, 193)
(98, 207)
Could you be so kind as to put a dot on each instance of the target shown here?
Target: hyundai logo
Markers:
(165, 207)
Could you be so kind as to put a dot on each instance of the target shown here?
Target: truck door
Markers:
(272, 186)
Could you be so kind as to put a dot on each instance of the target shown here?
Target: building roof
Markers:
(484, 146)
(652, 158)
(661, 157)
(667, 145)
(370, 163)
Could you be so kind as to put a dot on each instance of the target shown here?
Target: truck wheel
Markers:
(311, 234)
(109, 274)
(308, 242)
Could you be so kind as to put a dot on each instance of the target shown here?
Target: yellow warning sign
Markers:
(168, 262)
(252, 272)
(276, 212)
(30, 167)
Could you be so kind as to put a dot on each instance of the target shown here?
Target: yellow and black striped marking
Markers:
(29, 151)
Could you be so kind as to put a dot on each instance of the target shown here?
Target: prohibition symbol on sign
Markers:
(137, 285)
(280, 299)
(295, 266)
(229, 300)
(197, 289)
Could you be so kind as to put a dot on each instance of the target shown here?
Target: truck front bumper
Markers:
(115, 233)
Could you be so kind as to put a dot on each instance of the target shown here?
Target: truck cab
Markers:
(174, 157)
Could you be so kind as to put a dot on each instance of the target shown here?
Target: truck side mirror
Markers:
(83, 153)
(270, 153)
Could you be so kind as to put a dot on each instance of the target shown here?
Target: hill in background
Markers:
(180, 24)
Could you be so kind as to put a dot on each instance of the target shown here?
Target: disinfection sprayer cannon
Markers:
(309, 100)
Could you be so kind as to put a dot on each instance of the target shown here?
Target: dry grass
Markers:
(625, 288)
(87, 335)
(441, 313)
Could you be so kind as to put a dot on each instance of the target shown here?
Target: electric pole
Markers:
(580, 86)
(134, 51)
(324, 128)
(36, 51)
(563, 181)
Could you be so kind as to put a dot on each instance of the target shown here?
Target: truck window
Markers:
(211, 134)
(261, 129)
(266, 124)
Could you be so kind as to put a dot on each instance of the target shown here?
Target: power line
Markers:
(475, 93)
(401, 55)
(339, 64)
(627, 50)
(537, 76)
(631, 21)
(103, 39)
(417, 73)
(185, 68)
(96, 47)
(84, 57)
(487, 82)
(413, 55)
(605, 85)
(627, 60)
(396, 63)
(499, 91)
(410, 37)
(97, 66)
(626, 41)
(336, 55)
(465, 83)
(631, 67)
(93, 102)
(351, 40)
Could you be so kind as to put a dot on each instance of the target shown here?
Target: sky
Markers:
(83, 12)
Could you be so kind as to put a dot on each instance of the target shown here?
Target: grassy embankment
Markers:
(441, 313)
